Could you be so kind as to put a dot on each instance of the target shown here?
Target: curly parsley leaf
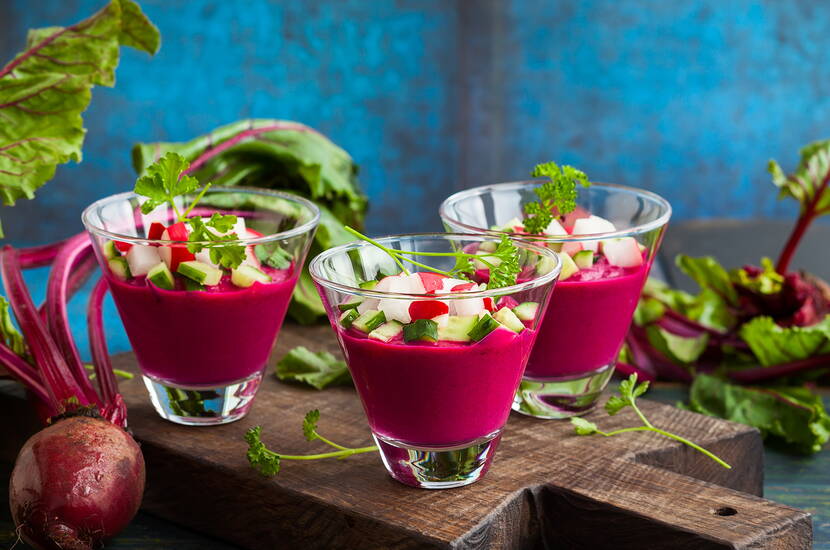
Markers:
(583, 427)
(557, 195)
(310, 424)
(222, 252)
(505, 273)
(266, 462)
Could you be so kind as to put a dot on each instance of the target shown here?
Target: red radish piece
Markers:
(253, 234)
(571, 247)
(156, 231)
(427, 309)
(431, 281)
(76, 483)
(175, 254)
(624, 252)
(507, 301)
(462, 287)
(122, 246)
(488, 304)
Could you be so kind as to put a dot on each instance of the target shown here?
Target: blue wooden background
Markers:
(687, 98)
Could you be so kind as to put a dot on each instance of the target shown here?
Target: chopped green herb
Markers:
(558, 194)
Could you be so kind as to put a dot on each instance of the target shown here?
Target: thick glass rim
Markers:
(319, 278)
(660, 221)
(127, 195)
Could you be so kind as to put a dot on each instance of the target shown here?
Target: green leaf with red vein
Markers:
(45, 88)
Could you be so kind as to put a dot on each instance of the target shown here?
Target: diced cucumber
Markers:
(246, 275)
(568, 266)
(161, 276)
(488, 246)
(422, 330)
(120, 268)
(192, 285)
(457, 328)
(506, 317)
(368, 285)
(546, 264)
(584, 259)
(369, 321)
(526, 311)
(386, 331)
(110, 250)
(200, 272)
(348, 317)
(492, 260)
(273, 255)
(484, 326)
(351, 303)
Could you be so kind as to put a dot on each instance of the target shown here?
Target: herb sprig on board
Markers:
(502, 263)
(556, 195)
(163, 183)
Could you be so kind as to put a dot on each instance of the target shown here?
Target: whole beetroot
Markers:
(75, 484)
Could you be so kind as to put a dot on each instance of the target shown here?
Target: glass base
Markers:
(561, 397)
(203, 405)
(438, 467)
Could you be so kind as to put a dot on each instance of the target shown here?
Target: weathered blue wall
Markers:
(687, 98)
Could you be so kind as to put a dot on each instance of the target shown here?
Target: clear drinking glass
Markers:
(591, 309)
(436, 409)
(202, 348)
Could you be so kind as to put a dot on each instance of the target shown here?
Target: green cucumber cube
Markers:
(584, 259)
(200, 272)
(348, 317)
(546, 264)
(488, 246)
(386, 331)
(568, 266)
(192, 285)
(351, 303)
(120, 268)
(422, 330)
(488, 257)
(110, 250)
(506, 317)
(273, 255)
(161, 276)
(368, 285)
(246, 275)
(526, 311)
(484, 326)
(457, 328)
(369, 321)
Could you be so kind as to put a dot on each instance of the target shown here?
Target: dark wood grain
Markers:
(547, 487)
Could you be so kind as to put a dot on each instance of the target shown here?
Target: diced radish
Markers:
(396, 309)
(385, 284)
(253, 234)
(239, 228)
(623, 252)
(462, 287)
(488, 304)
(468, 306)
(176, 232)
(142, 258)
(414, 284)
(122, 246)
(449, 284)
(507, 301)
(571, 247)
(156, 231)
(591, 226)
(427, 309)
(204, 257)
(554, 228)
(431, 281)
(368, 304)
(175, 254)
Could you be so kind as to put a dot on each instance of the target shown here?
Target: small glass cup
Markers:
(202, 348)
(591, 309)
(436, 409)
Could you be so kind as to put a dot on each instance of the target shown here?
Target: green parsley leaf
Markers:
(310, 425)
(264, 461)
(583, 427)
(164, 182)
(201, 236)
(557, 195)
(505, 273)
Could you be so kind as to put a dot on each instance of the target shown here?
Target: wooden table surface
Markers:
(802, 482)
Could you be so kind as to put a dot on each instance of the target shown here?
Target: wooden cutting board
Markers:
(547, 488)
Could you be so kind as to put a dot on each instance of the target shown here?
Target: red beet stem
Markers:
(98, 343)
(805, 218)
(761, 374)
(76, 250)
(39, 256)
(24, 373)
(59, 381)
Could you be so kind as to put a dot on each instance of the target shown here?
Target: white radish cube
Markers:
(468, 306)
(239, 228)
(202, 256)
(385, 284)
(572, 247)
(592, 225)
(554, 228)
(367, 304)
(395, 310)
(448, 284)
(414, 284)
(142, 258)
(250, 258)
(624, 252)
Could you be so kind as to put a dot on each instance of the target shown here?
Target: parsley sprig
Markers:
(629, 391)
(166, 180)
(502, 263)
(558, 194)
(268, 462)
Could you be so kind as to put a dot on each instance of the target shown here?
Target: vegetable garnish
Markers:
(267, 462)
(166, 180)
(502, 263)
(557, 195)
(629, 391)
(319, 370)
